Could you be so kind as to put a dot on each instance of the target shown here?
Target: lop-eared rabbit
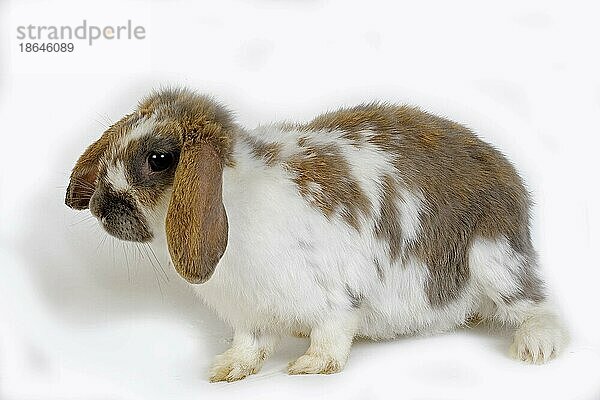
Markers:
(373, 221)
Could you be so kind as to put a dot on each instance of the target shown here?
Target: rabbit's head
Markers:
(161, 167)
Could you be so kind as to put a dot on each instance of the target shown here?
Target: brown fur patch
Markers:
(344, 119)
(387, 226)
(268, 152)
(323, 177)
(469, 188)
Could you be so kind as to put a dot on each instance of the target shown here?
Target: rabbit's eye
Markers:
(160, 161)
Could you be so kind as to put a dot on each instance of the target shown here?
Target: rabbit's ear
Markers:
(196, 224)
(85, 173)
(83, 177)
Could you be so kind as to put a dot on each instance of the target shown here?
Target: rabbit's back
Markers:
(375, 208)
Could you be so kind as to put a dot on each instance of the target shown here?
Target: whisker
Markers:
(107, 121)
(102, 241)
(101, 123)
(80, 198)
(126, 260)
(85, 219)
(138, 253)
(82, 193)
(86, 189)
(155, 272)
(112, 242)
(155, 263)
(158, 262)
(83, 182)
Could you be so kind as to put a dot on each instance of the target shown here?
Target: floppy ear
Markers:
(83, 177)
(196, 224)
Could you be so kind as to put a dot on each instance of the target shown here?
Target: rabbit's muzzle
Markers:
(119, 215)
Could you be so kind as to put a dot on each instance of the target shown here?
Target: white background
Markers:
(80, 320)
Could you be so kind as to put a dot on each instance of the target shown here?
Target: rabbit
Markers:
(374, 221)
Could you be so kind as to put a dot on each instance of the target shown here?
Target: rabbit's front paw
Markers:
(315, 364)
(231, 367)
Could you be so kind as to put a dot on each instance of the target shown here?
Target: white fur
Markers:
(495, 266)
(410, 209)
(115, 174)
(142, 128)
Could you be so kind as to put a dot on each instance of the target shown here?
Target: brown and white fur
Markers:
(373, 221)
